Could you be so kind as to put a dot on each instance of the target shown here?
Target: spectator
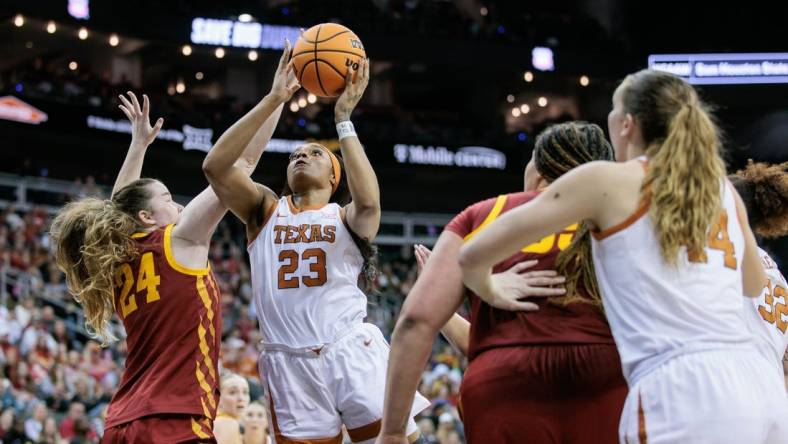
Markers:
(255, 425)
(50, 434)
(32, 334)
(427, 428)
(445, 428)
(83, 432)
(35, 425)
(6, 422)
(75, 425)
(17, 433)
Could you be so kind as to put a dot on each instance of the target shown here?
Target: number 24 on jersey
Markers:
(147, 280)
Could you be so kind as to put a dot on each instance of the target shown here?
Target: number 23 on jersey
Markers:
(147, 280)
(316, 259)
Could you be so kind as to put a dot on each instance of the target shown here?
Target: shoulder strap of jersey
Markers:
(491, 216)
(167, 240)
(275, 208)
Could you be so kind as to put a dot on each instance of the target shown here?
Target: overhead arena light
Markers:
(542, 58)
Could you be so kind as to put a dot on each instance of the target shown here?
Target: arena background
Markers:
(459, 91)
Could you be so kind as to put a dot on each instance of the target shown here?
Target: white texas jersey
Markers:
(305, 268)
(657, 311)
(767, 315)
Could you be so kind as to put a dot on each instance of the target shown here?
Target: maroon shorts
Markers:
(557, 394)
(163, 428)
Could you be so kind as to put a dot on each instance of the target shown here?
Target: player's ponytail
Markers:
(559, 149)
(764, 190)
(92, 239)
(685, 167)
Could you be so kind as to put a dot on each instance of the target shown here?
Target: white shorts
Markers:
(715, 397)
(313, 391)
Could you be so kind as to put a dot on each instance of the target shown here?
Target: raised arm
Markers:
(142, 135)
(201, 216)
(233, 186)
(254, 149)
(363, 213)
(433, 300)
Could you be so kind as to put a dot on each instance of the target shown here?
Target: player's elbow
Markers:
(210, 167)
(245, 165)
(416, 324)
(468, 259)
(367, 207)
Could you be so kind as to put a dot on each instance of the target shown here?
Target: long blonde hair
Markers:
(92, 239)
(685, 167)
(559, 149)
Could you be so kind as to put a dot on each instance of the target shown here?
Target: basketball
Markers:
(322, 55)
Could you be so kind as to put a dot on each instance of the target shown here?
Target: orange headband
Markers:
(336, 167)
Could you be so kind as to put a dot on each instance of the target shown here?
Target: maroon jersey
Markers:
(172, 317)
(576, 323)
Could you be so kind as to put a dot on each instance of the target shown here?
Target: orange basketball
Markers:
(321, 57)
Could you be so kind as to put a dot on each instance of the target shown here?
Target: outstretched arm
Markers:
(233, 186)
(457, 330)
(199, 219)
(363, 212)
(142, 135)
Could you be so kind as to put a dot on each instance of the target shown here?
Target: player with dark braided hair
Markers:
(559, 156)
(545, 373)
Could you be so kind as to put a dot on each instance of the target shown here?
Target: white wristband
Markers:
(346, 129)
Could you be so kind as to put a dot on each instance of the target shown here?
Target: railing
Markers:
(24, 192)
(22, 283)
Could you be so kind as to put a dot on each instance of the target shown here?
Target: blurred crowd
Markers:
(55, 382)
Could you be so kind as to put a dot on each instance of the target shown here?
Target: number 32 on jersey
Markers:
(775, 311)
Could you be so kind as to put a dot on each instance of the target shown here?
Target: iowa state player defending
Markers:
(545, 376)
(324, 366)
(146, 257)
